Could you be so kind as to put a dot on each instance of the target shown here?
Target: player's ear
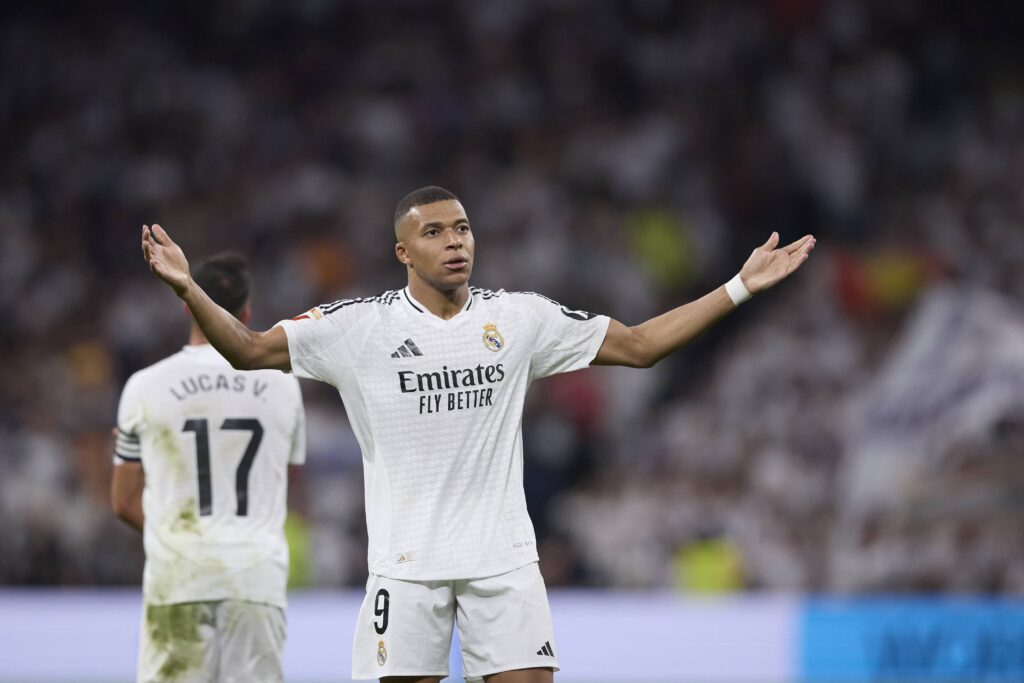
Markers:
(245, 315)
(187, 310)
(401, 254)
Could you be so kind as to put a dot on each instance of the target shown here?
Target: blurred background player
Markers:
(201, 468)
(434, 378)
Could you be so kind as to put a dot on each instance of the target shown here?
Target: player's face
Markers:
(436, 242)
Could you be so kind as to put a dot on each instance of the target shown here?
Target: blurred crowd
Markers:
(619, 157)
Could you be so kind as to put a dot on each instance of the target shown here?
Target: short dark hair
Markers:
(424, 195)
(225, 278)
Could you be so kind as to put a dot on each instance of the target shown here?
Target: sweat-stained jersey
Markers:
(215, 444)
(437, 408)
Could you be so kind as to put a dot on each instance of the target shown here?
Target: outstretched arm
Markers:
(644, 345)
(242, 347)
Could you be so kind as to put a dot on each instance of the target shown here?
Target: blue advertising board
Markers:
(949, 640)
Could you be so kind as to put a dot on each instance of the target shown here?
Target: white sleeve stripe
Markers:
(127, 458)
(126, 441)
(129, 447)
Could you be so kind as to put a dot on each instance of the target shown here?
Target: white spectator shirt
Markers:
(215, 444)
(437, 408)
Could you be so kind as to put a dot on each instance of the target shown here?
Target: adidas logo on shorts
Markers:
(547, 650)
(408, 348)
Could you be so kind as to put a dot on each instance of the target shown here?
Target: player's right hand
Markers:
(165, 258)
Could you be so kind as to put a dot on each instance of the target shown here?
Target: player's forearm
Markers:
(131, 514)
(660, 336)
(225, 332)
(126, 499)
(126, 486)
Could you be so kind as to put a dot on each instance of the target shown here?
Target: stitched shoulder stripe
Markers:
(387, 298)
(548, 299)
(566, 311)
(487, 293)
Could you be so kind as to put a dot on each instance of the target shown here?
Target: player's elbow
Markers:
(121, 505)
(642, 352)
(646, 361)
(248, 357)
(258, 353)
(243, 362)
(642, 360)
(628, 347)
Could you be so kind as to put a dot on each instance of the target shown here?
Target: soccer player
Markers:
(433, 377)
(201, 468)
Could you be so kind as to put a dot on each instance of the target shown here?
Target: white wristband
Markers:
(736, 290)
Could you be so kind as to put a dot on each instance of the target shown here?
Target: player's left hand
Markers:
(769, 263)
(165, 258)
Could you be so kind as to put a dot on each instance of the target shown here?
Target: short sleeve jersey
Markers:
(437, 408)
(215, 444)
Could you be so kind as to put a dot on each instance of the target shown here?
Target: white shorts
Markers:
(226, 641)
(405, 627)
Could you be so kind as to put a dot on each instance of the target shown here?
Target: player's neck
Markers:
(196, 336)
(444, 304)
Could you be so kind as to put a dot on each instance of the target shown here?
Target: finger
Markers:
(792, 266)
(161, 235)
(772, 242)
(799, 244)
(796, 262)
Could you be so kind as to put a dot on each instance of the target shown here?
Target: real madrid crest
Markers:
(492, 338)
(382, 653)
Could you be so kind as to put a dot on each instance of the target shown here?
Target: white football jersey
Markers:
(437, 408)
(215, 444)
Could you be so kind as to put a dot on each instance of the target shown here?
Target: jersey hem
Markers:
(233, 598)
(458, 577)
(217, 596)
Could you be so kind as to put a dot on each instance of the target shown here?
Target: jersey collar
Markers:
(205, 351)
(419, 308)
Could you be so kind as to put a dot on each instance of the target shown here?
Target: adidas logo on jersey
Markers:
(408, 348)
(547, 650)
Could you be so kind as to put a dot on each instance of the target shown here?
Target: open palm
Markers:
(768, 264)
(165, 258)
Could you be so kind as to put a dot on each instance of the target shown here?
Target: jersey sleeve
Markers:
(127, 446)
(564, 339)
(325, 340)
(297, 456)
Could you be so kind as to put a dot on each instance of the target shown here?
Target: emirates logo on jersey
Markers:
(492, 338)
